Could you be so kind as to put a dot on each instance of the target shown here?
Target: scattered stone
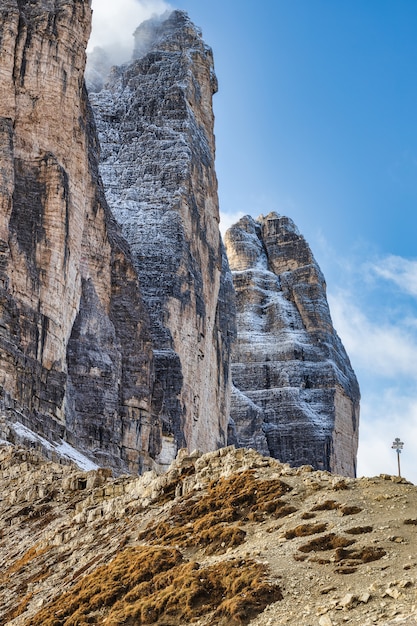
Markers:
(348, 601)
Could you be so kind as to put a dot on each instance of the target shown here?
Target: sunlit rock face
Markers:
(155, 123)
(75, 350)
(295, 394)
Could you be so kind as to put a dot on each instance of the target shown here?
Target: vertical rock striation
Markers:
(155, 124)
(295, 394)
(75, 350)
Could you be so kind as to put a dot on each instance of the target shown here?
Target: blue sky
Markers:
(316, 118)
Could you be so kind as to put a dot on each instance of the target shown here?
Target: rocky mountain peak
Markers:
(295, 395)
(172, 31)
(118, 307)
(155, 123)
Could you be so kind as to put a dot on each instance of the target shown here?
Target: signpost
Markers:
(398, 445)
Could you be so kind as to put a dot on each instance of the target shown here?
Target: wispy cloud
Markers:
(115, 22)
(228, 219)
(383, 348)
(400, 271)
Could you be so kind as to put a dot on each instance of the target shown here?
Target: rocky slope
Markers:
(75, 350)
(155, 123)
(295, 394)
(226, 538)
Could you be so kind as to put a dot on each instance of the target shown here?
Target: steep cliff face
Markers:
(75, 350)
(155, 123)
(116, 337)
(295, 394)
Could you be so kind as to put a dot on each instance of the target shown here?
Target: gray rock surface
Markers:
(295, 394)
(155, 123)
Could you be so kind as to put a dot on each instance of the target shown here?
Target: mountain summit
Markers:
(295, 395)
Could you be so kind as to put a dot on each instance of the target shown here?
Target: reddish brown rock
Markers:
(75, 353)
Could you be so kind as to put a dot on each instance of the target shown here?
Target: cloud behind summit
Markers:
(115, 22)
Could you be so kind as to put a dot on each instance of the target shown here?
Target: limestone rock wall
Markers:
(75, 351)
(295, 395)
(155, 123)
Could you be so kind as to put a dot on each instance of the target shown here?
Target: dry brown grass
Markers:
(229, 501)
(327, 505)
(22, 562)
(171, 489)
(6, 618)
(359, 530)
(150, 585)
(347, 509)
(340, 485)
(347, 561)
(326, 542)
(333, 505)
(304, 530)
(308, 515)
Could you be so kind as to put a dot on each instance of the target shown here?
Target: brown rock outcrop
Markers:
(75, 350)
(295, 394)
(155, 123)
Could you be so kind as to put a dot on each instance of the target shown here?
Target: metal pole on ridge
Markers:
(398, 445)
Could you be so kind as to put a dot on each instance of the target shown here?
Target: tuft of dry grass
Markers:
(327, 505)
(348, 560)
(369, 553)
(333, 505)
(346, 569)
(7, 617)
(340, 485)
(304, 530)
(326, 542)
(155, 585)
(23, 562)
(171, 489)
(308, 515)
(347, 509)
(359, 530)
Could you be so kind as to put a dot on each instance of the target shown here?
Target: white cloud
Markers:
(400, 271)
(386, 415)
(228, 219)
(382, 350)
(385, 349)
(115, 22)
